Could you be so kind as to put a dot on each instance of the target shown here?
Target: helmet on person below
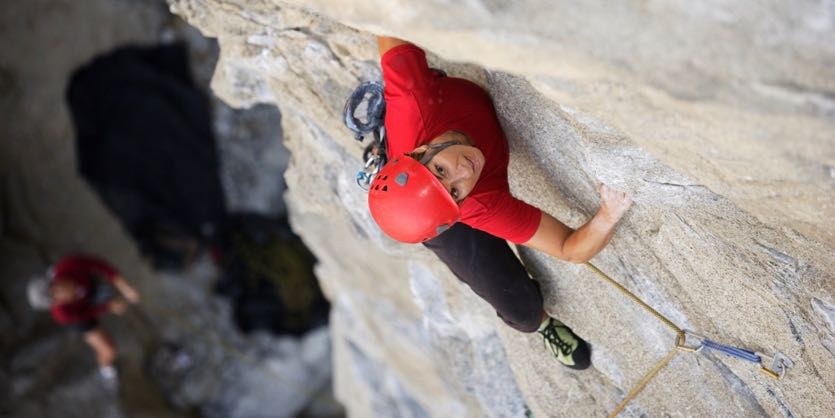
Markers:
(409, 203)
(37, 290)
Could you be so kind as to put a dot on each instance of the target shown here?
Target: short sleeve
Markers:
(507, 217)
(404, 71)
(84, 264)
(408, 82)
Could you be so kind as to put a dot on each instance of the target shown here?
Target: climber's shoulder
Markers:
(385, 43)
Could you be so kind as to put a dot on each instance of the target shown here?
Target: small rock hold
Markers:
(827, 311)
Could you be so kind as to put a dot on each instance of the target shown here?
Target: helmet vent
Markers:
(401, 179)
(385, 188)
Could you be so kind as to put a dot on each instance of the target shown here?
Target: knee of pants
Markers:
(524, 319)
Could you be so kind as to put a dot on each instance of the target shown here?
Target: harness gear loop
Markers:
(370, 94)
(375, 158)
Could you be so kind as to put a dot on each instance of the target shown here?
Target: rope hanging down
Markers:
(777, 370)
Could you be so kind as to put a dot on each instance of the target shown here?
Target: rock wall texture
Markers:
(718, 118)
(47, 210)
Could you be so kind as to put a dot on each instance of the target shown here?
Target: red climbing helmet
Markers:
(409, 203)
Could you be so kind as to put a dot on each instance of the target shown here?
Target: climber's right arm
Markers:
(580, 245)
(384, 43)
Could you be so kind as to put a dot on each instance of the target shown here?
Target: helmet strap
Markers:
(434, 149)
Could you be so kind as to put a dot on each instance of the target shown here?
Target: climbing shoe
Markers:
(568, 348)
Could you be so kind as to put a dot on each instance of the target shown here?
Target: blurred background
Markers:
(113, 145)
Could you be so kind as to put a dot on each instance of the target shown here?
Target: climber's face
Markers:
(457, 167)
(62, 291)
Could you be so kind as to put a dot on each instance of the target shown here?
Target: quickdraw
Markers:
(780, 364)
(777, 370)
(368, 98)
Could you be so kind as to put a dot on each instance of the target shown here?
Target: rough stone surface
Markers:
(233, 375)
(717, 117)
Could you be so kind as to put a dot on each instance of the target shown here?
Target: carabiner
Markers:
(780, 364)
(681, 342)
(363, 180)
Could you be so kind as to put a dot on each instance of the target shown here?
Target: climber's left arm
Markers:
(128, 291)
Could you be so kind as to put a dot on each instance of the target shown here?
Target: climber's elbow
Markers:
(385, 43)
(577, 258)
(550, 237)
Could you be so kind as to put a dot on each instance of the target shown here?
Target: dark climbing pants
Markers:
(101, 291)
(492, 270)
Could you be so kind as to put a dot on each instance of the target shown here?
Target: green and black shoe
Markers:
(567, 347)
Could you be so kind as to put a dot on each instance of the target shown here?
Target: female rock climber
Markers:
(446, 186)
(76, 292)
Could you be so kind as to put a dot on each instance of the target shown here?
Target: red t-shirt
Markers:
(79, 269)
(421, 105)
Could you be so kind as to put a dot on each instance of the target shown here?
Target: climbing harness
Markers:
(777, 370)
(368, 96)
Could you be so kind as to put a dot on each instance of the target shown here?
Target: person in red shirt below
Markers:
(77, 293)
(446, 186)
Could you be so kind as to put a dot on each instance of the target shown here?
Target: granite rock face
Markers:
(720, 121)
(47, 210)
